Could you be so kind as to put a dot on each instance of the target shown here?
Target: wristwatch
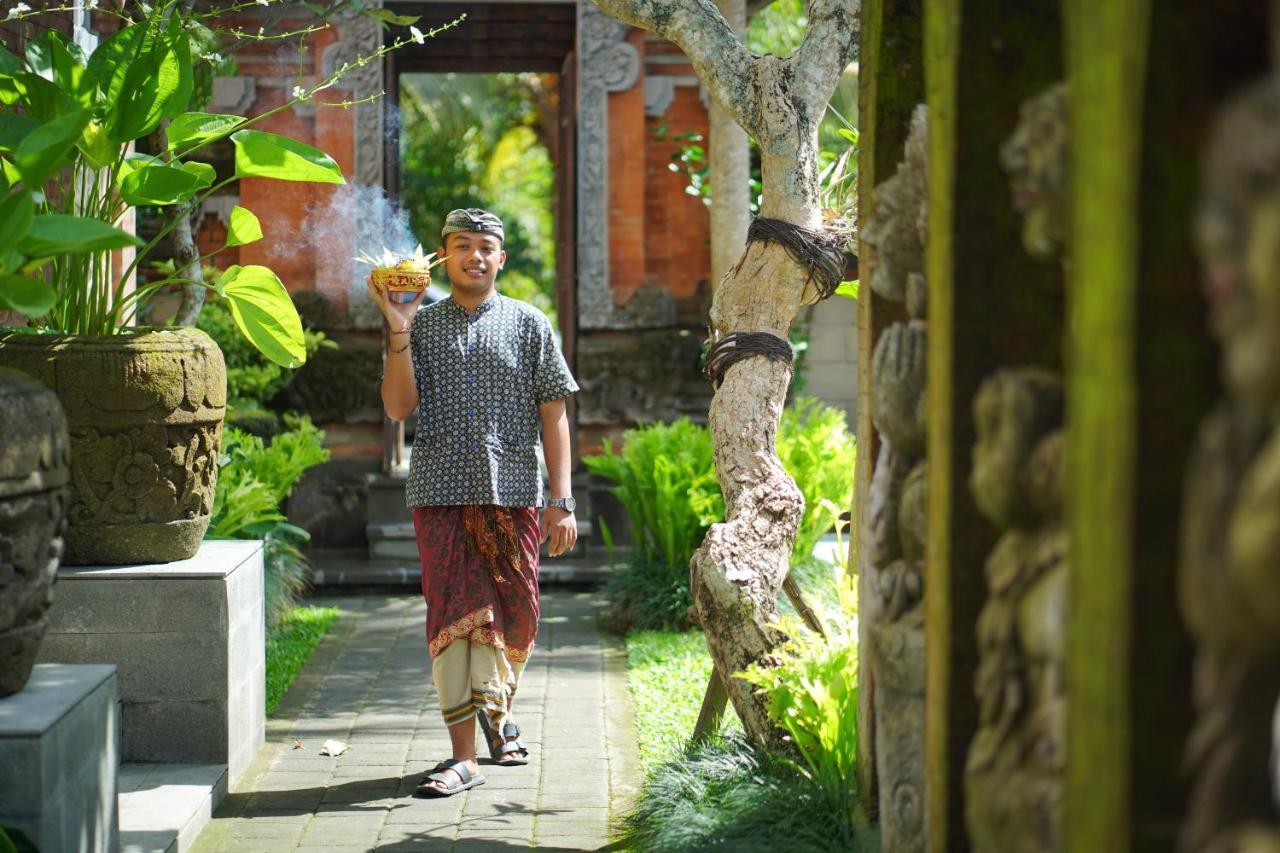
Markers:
(566, 504)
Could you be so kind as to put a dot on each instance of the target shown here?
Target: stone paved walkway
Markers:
(368, 685)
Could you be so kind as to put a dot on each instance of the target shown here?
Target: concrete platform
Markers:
(189, 642)
(59, 750)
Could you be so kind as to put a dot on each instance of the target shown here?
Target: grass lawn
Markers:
(290, 643)
(667, 674)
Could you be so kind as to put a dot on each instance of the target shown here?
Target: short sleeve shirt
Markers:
(480, 380)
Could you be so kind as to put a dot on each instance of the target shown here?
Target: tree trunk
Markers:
(738, 571)
(730, 160)
(186, 262)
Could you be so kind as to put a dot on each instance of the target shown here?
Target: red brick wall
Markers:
(627, 186)
(678, 225)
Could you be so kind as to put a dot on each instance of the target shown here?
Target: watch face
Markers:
(567, 504)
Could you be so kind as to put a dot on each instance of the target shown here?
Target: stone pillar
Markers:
(990, 304)
(1146, 80)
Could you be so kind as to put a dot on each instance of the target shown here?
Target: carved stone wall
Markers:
(894, 540)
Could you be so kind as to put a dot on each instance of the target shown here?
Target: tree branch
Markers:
(722, 61)
(830, 44)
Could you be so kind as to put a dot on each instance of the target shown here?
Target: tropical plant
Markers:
(254, 479)
(69, 172)
(812, 690)
(818, 451)
(724, 795)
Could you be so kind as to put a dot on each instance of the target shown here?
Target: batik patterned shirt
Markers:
(480, 380)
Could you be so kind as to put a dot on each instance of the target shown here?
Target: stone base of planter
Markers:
(188, 638)
(116, 544)
(59, 757)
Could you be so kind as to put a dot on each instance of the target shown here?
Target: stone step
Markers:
(163, 807)
(407, 574)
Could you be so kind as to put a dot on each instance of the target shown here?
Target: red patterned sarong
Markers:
(480, 576)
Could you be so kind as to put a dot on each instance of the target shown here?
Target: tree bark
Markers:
(186, 262)
(730, 160)
(738, 571)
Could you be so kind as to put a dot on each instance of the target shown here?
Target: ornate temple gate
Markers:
(1139, 373)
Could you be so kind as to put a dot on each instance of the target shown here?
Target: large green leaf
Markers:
(27, 294)
(141, 84)
(110, 61)
(16, 211)
(180, 45)
(206, 173)
(9, 64)
(55, 234)
(264, 313)
(266, 155)
(38, 98)
(98, 149)
(160, 184)
(243, 228)
(13, 129)
(190, 130)
(60, 61)
(44, 150)
(386, 16)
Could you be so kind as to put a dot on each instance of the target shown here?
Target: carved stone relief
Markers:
(1013, 776)
(606, 63)
(1229, 575)
(34, 473)
(895, 518)
(359, 35)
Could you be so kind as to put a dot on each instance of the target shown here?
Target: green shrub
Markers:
(725, 796)
(812, 689)
(664, 476)
(818, 451)
(665, 479)
(254, 479)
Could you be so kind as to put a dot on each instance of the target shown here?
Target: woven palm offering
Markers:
(403, 277)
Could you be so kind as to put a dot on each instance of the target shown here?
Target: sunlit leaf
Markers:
(14, 128)
(243, 228)
(266, 155)
(848, 288)
(264, 313)
(160, 184)
(59, 60)
(190, 129)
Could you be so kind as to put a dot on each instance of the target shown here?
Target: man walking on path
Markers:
(484, 373)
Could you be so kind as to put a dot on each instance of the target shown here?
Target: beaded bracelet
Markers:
(402, 331)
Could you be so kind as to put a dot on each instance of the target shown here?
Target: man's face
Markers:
(473, 260)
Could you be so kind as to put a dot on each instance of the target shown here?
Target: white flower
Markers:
(146, 10)
(18, 10)
(91, 4)
(417, 35)
(263, 2)
(212, 58)
(299, 92)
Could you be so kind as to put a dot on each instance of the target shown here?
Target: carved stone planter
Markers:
(34, 471)
(145, 413)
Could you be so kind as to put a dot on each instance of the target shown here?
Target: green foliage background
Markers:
(478, 140)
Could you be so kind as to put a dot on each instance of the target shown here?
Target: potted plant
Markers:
(144, 406)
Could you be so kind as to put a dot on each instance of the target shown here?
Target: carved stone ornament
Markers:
(34, 472)
(1229, 573)
(894, 540)
(607, 62)
(1013, 777)
(1037, 160)
(145, 416)
(359, 35)
(895, 230)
